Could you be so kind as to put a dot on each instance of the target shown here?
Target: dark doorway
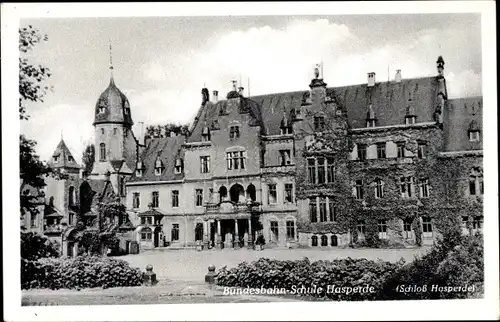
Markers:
(235, 192)
(222, 193)
(198, 232)
(334, 241)
(251, 192)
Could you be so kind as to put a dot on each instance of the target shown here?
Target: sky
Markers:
(162, 63)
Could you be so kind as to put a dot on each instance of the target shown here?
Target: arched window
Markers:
(236, 192)
(324, 240)
(222, 193)
(71, 196)
(251, 192)
(476, 183)
(102, 152)
(314, 241)
(379, 188)
(333, 240)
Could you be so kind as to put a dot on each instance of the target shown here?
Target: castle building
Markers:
(379, 163)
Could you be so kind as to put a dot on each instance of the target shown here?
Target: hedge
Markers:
(80, 272)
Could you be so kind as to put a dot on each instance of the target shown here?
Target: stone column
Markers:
(206, 234)
(75, 249)
(218, 237)
(250, 239)
(236, 238)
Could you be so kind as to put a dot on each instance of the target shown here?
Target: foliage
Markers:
(160, 131)
(35, 246)
(260, 240)
(88, 158)
(80, 272)
(30, 76)
(290, 275)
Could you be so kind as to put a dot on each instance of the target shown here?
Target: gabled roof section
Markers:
(64, 157)
(167, 149)
(458, 115)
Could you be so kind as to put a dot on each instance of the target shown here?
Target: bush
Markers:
(80, 272)
(35, 246)
(293, 275)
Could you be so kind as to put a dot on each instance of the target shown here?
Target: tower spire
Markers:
(111, 62)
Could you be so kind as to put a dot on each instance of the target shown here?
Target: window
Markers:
(476, 183)
(139, 169)
(401, 149)
(322, 209)
(382, 228)
(285, 157)
(421, 152)
(274, 230)
(330, 170)
(290, 229)
(289, 192)
(311, 170)
(115, 131)
(102, 131)
(158, 167)
(477, 223)
(406, 187)
(426, 226)
(407, 231)
(71, 219)
(379, 188)
(122, 187)
(205, 134)
(321, 170)
(332, 209)
(361, 152)
(234, 132)
(359, 189)
(146, 234)
(71, 196)
(146, 220)
(175, 198)
(136, 200)
(102, 109)
(235, 160)
(286, 130)
(474, 136)
(381, 151)
(319, 123)
(465, 222)
(334, 240)
(324, 240)
(70, 158)
(360, 228)
(371, 123)
(314, 240)
(313, 215)
(205, 164)
(56, 158)
(198, 232)
(155, 199)
(272, 194)
(410, 119)
(175, 232)
(178, 166)
(424, 188)
(102, 152)
(199, 197)
(33, 220)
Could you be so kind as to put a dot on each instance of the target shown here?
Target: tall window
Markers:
(314, 240)
(322, 209)
(175, 198)
(289, 192)
(332, 209)
(381, 150)
(115, 131)
(102, 152)
(359, 189)
(477, 222)
(311, 170)
(272, 194)
(406, 187)
(361, 152)
(235, 160)
(407, 231)
(155, 199)
(122, 186)
(401, 149)
(175, 232)
(71, 196)
(424, 188)
(234, 132)
(33, 220)
(205, 164)
(422, 149)
(136, 200)
(330, 170)
(426, 226)
(382, 228)
(321, 170)
(274, 230)
(285, 157)
(324, 240)
(379, 188)
(198, 232)
(476, 183)
(199, 197)
(313, 215)
(71, 219)
(319, 123)
(290, 229)
(178, 165)
(360, 228)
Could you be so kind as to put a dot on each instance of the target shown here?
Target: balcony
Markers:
(279, 169)
(382, 163)
(53, 229)
(230, 209)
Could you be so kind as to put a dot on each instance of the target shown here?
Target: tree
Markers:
(31, 77)
(160, 131)
(88, 158)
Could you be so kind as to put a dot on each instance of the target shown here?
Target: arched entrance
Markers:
(236, 192)
(334, 241)
(70, 245)
(157, 237)
(251, 192)
(222, 193)
(198, 231)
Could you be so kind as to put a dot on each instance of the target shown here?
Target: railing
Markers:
(279, 168)
(53, 229)
(228, 207)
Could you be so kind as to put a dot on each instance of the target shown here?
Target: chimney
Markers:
(397, 78)
(371, 79)
(215, 96)
(142, 139)
(172, 134)
(240, 90)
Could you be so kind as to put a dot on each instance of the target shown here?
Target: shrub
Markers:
(35, 246)
(80, 272)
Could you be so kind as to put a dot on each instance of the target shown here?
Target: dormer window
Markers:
(474, 132)
(127, 108)
(178, 166)
(234, 132)
(56, 158)
(139, 170)
(371, 120)
(70, 158)
(158, 166)
(102, 109)
(205, 134)
(285, 126)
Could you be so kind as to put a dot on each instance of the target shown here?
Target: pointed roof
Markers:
(62, 157)
(115, 106)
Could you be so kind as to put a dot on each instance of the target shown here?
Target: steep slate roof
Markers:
(168, 149)
(116, 104)
(63, 153)
(458, 115)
